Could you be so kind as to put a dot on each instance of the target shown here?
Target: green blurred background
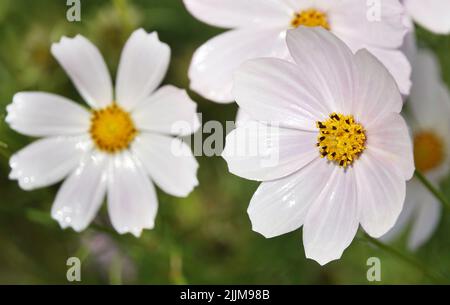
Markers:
(204, 239)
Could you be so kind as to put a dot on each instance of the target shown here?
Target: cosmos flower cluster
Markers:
(327, 79)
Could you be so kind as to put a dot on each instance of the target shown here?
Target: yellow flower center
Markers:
(341, 139)
(428, 151)
(311, 18)
(112, 129)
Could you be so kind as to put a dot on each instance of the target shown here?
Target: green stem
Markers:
(4, 152)
(436, 192)
(123, 10)
(115, 271)
(433, 276)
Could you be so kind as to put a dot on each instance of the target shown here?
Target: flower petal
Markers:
(422, 210)
(86, 68)
(242, 117)
(410, 47)
(230, 14)
(332, 220)
(379, 27)
(302, 5)
(427, 216)
(398, 65)
(213, 64)
(376, 93)
(169, 162)
(376, 23)
(260, 152)
(132, 202)
(47, 161)
(169, 111)
(40, 114)
(142, 68)
(390, 140)
(381, 193)
(413, 190)
(431, 14)
(280, 206)
(81, 195)
(276, 91)
(327, 63)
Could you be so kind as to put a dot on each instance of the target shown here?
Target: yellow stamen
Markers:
(311, 18)
(341, 139)
(112, 129)
(428, 151)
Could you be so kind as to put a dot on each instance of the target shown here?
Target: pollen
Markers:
(310, 18)
(428, 151)
(112, 129)
(341, 139)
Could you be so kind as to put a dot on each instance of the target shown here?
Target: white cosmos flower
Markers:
(433, 15)
(259, 30)
(343, 150)
(119, 148)
(430, 121)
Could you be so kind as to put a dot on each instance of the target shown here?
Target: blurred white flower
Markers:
(114, 148)
(259, 30)
(433, 15)
(430, 121)
(332, 104)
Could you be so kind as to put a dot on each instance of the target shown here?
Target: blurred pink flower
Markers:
(430, 122)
